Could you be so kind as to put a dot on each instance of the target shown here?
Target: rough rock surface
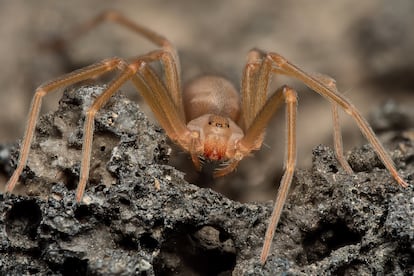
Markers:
(140, 216)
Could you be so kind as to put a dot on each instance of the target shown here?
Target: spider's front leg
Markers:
(157, 96)
(164, 100)
(91, 71)
(288, 96)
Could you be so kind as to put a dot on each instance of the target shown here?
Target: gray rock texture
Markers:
(140, 217)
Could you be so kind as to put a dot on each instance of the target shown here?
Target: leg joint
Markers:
(114, 62)
(277, 59)
(40, 92)
(111, 15)
(137, 65)
(290, 94)
(91, 112)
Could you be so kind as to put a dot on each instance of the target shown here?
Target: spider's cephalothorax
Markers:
(208, 118)
(212, 110)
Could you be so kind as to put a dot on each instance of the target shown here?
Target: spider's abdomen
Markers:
(211, 95)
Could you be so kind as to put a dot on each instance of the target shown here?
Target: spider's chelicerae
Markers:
(207, 118)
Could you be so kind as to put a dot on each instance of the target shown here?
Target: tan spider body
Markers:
(207, 119)
(212, 108)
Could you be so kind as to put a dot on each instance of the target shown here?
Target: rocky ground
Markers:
(140, 216)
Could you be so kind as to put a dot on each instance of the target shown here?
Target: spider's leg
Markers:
(252, 98)
(254, 88)
(127, 72)
(337, 138)
(252, 140)
(169, 58)
(249, 141)
(161, 100)
(157, 97)
(337, 132)
(91, 71)
(333, 96)
(254, 132)
(290, 98)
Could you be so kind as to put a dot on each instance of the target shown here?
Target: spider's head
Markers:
(218, 136)
(217, 132)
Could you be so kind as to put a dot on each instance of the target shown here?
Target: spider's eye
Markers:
(220, 125)
(218, 122)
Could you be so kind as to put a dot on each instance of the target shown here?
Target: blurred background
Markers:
(365, 45)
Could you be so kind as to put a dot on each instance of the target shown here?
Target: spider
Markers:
(207, 118)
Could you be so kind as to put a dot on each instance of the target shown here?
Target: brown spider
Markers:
(207, 119)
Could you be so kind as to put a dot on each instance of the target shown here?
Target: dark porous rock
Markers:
(139, 215)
